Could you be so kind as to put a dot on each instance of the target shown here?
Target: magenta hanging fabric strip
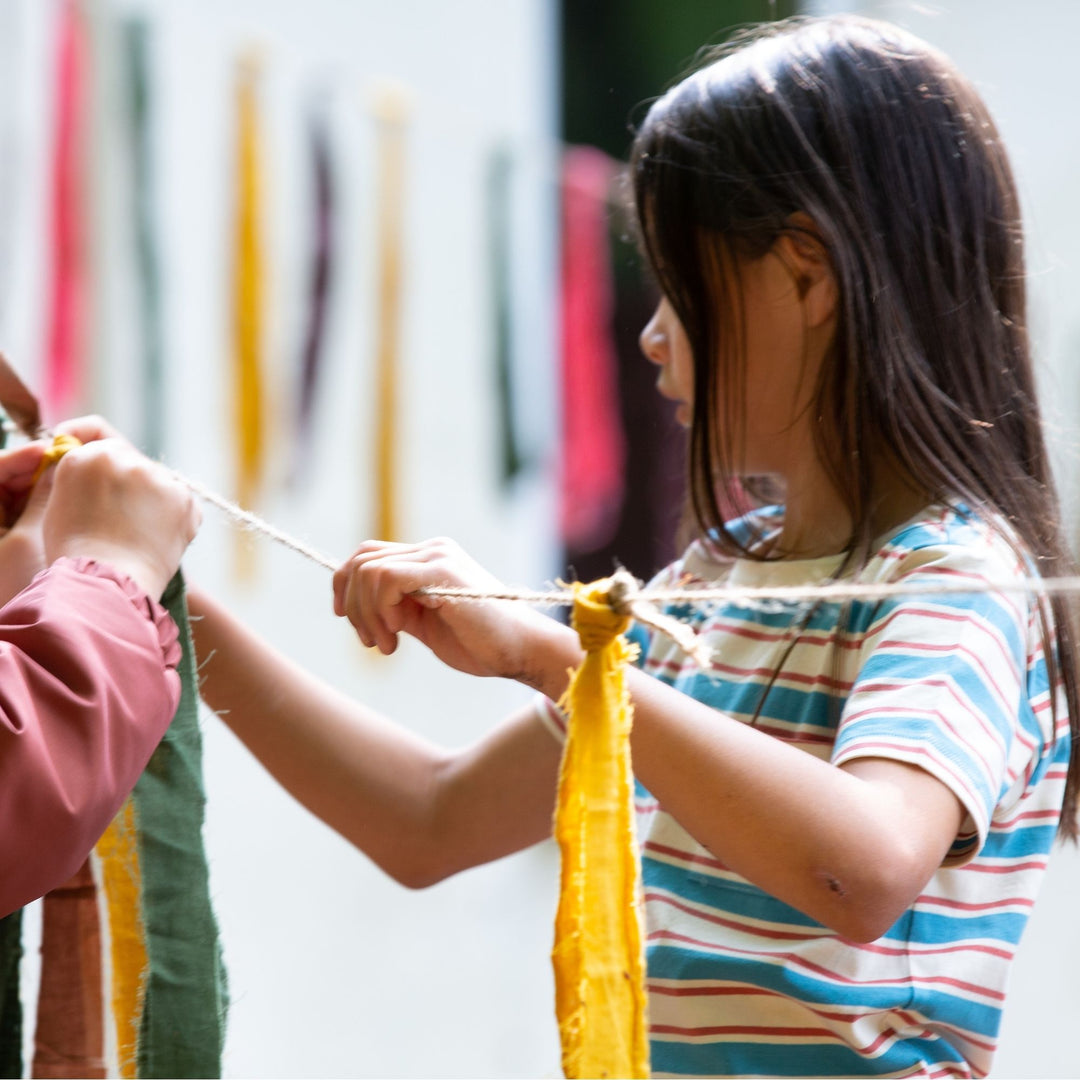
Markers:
(12, 45)
(67, 286)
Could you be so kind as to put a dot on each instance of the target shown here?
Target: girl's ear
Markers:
(805, 256)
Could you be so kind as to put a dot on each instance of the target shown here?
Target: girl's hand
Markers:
(88, 429)
(112, 504)
(377, 590)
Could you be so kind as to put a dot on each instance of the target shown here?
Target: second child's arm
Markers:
(420, 812)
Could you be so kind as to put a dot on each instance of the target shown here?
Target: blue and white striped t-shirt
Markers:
(741, 984)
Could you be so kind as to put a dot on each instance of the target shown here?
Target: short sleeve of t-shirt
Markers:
(943, 680)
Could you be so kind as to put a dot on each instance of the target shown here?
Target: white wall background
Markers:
(1022, 58)
(335, 970)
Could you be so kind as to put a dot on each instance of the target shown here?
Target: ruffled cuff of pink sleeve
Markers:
(167, 632)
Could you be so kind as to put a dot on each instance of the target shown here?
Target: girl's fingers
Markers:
(366, 553)
(17, 467)
(88, 429)
(375, 588)
(380, 595)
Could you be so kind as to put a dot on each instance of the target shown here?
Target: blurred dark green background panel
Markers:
(617, 54)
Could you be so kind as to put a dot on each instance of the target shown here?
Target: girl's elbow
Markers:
(865, 926)
(416, 878)
(866, 906)
(416, 866)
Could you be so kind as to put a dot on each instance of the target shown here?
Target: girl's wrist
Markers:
(546, 665)
(147, 575)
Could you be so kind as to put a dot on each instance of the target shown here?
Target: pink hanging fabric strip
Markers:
(593, 440)
(67, 297)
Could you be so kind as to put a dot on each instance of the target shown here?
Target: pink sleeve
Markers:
(88, 685)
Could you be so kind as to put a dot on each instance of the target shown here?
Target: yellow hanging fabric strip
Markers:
(248, 285)
(391, 113)
(121, 879)
(598, 953)
(120, 895)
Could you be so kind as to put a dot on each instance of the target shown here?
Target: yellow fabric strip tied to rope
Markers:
(598, 953)
(60, 445)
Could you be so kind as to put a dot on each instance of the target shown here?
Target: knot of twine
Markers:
(599, 615)
(620, 595)
(619, 599)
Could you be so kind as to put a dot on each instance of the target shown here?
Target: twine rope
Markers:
(247, 520)
(780, 595)
(627, 596)
(627, 593)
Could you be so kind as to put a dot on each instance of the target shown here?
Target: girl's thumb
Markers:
(34, 510)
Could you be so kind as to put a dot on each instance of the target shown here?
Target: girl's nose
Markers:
(653, 340)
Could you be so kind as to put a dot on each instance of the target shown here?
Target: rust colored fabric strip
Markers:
(70, 1037)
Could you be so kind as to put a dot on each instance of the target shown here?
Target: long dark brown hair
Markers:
(875, 138)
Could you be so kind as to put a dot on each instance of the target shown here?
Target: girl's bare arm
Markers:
(851, 846)
(419, 811)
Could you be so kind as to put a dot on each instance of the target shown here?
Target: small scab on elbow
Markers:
(834, 885)
(846, 912)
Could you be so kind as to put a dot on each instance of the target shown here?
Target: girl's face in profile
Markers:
(663, 341)
(777, 343)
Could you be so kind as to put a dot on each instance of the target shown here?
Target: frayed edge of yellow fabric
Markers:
(121, 878)
(598, 956)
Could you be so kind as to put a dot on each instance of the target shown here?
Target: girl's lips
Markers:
(683, 409)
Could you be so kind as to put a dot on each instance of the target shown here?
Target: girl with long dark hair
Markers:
(844, 822)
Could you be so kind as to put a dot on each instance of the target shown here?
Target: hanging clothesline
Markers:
(628, 595)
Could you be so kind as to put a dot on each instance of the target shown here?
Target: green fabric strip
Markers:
(11, 1013)
(183, 1022)
(148, 278)
(500, 169)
